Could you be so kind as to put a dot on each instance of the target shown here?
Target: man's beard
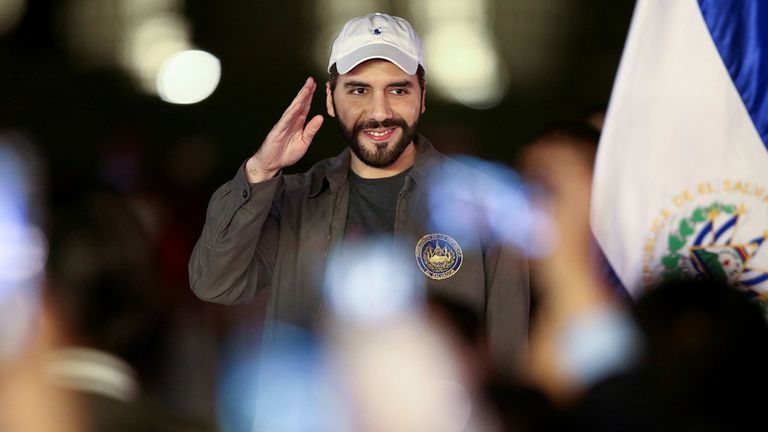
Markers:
(382, 156)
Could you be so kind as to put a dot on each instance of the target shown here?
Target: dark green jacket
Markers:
(278, 233)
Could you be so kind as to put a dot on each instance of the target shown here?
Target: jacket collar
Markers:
(426, 159)
(336, 175)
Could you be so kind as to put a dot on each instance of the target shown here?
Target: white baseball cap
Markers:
(377, 36)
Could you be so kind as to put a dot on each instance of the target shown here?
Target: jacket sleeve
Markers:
(508, 308)
(235, 254)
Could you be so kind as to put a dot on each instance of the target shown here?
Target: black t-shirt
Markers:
(372, 205)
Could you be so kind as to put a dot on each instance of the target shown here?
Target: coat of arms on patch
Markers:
(439, 256)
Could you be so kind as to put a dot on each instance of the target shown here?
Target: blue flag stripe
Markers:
(731, 222)
(755, 281)
(700, 239)
(739, 29)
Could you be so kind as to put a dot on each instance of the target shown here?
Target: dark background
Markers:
(90, 124)
(76, 112)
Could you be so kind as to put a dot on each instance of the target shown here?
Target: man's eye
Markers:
(358, 90)
(399, 91)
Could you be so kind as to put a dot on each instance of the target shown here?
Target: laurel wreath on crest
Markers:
(678, 239)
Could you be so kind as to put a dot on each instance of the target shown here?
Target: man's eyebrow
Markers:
(356, 84)
(400, 84)
(362, 84)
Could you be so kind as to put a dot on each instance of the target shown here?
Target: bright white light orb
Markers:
(464, 65)
(188, 77)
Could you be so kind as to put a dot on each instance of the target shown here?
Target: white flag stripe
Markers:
(675, 120)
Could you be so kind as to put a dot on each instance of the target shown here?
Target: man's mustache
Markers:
(375, 124)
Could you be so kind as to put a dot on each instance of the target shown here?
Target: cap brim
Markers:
(384, 51)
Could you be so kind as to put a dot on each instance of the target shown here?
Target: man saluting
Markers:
(265, 229)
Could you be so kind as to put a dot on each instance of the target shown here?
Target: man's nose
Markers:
(380, 108)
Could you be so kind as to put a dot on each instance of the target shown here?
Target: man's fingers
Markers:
(291, 122)
(308, 101)
(305, 105)
(294, 106)
(298, 115)
(302, 97)
(306, 88)
(310, 130)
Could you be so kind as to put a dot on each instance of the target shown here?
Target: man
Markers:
(265, 229)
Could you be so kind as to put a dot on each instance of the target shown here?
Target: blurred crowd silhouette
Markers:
(101, 204)
(116, 341)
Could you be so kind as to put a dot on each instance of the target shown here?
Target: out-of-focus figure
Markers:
(705, 344)
(379, 362)
(595, 117)
(581, 332)
(398, 368)
(100, 315)
(24, 388)
(510, 402)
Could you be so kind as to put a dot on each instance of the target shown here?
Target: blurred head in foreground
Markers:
(557, 165)
(101, 315)
(706, 334)
(101, 276)
(705, 345)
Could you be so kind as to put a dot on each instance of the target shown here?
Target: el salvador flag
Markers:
(681, 177)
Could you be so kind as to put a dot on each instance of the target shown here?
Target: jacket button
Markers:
(245, 194)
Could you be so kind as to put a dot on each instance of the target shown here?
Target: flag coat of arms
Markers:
(681, 176)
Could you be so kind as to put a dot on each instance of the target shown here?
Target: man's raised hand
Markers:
(288, 140)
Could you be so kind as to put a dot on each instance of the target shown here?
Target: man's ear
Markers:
(329, 100)
(424, 97)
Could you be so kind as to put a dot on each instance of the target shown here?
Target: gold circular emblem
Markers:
(439, 256)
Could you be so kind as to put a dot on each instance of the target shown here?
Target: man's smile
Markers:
(380, 134)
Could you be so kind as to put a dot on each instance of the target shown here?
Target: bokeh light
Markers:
(465, 67)
(402, 377)
(22, 254)
(188, 77)
(287, 387)
(491, 199)
(149, 45)
(372, 283)
(11, 12)
(332, 15)
(464, 64)
(599, 344)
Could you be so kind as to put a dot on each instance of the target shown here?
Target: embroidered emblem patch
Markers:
(439, 256)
